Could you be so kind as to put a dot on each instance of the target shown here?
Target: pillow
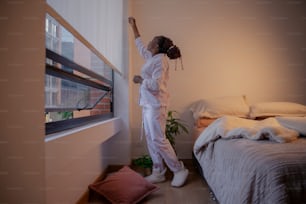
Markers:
(268, 109)
(221, 106)
(197, 108)
(124, 186)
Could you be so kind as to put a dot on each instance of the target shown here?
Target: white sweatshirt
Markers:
(155, 74)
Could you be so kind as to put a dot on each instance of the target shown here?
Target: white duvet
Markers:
(229, 127)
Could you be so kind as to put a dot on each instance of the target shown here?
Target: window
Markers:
(78, 83)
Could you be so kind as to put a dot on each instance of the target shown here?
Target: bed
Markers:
(252, 157)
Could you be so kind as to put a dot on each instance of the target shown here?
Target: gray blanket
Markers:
(257, 172)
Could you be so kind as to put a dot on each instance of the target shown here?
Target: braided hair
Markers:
(166, 46)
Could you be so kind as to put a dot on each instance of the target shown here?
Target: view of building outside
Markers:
(68, 99)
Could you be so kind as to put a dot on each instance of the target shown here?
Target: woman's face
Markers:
(153, 46)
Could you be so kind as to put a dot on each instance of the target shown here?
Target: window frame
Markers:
(59, 126)
(60, 73)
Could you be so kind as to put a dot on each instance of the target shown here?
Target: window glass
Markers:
(77, 83)
(68, 95)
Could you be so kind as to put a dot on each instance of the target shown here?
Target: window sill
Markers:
(110, 127)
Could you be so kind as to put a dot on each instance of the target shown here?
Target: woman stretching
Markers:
(154, 99)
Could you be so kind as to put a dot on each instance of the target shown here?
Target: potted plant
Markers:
(174, 126)
(143, 164)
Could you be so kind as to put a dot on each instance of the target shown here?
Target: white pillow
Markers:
(197, 108)
(295, 123)
(221, 106)
(267, 109)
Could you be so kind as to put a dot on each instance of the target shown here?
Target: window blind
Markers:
(100, 22)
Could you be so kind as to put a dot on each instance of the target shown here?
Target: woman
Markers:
(154, 99)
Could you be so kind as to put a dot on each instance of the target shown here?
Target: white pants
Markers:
(160, 149)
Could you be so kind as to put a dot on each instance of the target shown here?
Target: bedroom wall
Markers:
(22, 170)
(256, 48)
(74, 159)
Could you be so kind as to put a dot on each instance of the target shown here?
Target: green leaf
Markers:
(174, 126)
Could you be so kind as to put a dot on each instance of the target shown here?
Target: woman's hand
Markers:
(137, 79)
(132, 21)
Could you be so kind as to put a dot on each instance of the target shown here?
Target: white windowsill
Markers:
(114, 122)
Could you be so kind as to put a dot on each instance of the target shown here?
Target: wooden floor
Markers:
(195, 191)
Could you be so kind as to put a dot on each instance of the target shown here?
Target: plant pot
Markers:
(147, 171)
(143, 171)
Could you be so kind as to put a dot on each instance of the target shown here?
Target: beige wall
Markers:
(22, 102)
(76, 159)
(256, 48)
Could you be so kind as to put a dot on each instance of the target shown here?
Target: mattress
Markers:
(246, 171)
